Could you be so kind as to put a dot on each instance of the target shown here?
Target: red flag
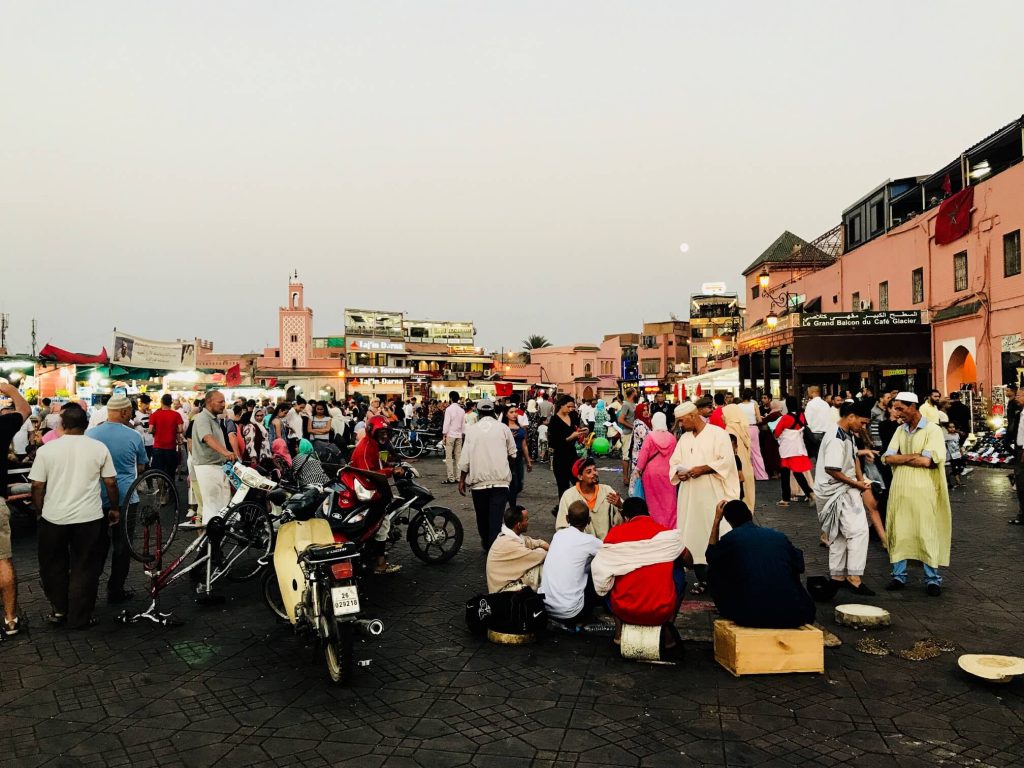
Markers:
(699, 391)
(947, 186)
(502, 389)
(954, 219)
(233, 377)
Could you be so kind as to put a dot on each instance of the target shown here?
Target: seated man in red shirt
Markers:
(640, 568)
(367, 456)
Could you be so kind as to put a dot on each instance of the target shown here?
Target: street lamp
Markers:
(764, 279)
(772, 320)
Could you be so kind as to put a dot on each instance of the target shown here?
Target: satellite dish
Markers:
(684, 247)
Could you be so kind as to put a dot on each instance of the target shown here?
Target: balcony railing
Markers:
(791, 320)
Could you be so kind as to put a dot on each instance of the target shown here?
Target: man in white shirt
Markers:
(587, 412)
(22, 438)
(409, 409)
(294, 421)
(72, 531)
(452, 431)
(566, 584)
(484, 467)
(818, 414)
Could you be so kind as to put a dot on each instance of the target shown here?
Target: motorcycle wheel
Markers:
(338, 653)
(446, 540)
(271, 592)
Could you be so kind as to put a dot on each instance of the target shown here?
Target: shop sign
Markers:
(379, 370)
(377, 345)
(462, 349)
(860, 319)
(1013, 343)
(894, 371)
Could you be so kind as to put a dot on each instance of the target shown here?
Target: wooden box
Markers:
(749, 651)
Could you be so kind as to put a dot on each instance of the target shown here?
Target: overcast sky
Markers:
(531, 166)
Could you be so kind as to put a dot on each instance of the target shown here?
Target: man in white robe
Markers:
(704, 467)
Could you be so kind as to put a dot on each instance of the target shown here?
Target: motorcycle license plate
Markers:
(346, 600)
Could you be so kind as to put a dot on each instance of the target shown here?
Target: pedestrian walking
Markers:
(11, 423)
(167, 430)
(789, 431)
(72, 530)
(522, 463)
(484, 469)
(128, 453)
(452, 432)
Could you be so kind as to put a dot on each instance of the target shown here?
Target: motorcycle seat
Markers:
(316, 554)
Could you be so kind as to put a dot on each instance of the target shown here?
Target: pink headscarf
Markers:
(280, 450)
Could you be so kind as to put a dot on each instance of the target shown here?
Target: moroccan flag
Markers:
(947, 186)
(502, 390)
(233, 376)
(954, 219)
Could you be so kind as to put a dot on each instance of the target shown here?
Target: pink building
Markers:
(853, 306)
(586, 371)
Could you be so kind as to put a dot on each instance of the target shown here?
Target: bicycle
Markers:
(236, 543)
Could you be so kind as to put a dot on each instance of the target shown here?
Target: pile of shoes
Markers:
(989, 448)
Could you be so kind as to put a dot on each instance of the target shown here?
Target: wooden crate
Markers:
(749, 651)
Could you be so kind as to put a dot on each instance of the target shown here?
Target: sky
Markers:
(530, 166)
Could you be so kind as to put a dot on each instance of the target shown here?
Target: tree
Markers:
(531, 342)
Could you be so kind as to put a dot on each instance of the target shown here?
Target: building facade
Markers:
(663, 354)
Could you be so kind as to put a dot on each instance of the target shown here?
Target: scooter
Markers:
(317, 582)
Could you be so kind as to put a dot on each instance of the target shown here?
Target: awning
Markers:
(727, 378)
(814, 305)
(59, 355)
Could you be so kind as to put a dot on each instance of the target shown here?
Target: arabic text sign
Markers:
(135, 352)
(860, 319)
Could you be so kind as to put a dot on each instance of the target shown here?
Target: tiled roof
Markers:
(790, 249)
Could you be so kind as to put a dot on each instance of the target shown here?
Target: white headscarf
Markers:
(659, 423)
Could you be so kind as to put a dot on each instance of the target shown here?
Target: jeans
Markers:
(518, 466)
(165, 460)
(489, 504)
(931, 575)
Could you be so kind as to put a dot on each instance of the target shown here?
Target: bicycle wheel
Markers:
(149, 516)
(271, 592)
(248, 541)
(410, 449)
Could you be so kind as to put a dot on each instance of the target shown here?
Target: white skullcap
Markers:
(907, 397)
(684, 408)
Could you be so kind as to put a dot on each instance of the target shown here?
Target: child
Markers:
(954, 458)
(542, 440)
(739, 464)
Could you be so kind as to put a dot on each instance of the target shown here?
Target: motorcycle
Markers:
(363, 501)
(317, 582)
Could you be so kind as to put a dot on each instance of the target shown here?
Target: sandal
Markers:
(389, 568)
(56, 618)
(11, 627)
(698, 588)
(782, 503)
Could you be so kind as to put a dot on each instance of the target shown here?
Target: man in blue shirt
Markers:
(754, 573)
(129, 454)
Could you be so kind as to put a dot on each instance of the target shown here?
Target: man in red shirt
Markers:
(167, 429)
(640, 568)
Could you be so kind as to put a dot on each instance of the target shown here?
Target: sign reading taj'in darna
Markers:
(860, 319)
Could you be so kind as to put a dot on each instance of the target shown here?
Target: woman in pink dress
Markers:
(652, 467)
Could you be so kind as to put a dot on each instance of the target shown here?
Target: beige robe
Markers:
(736, 424)
(698, 498)
(603, 517)
(510, 559)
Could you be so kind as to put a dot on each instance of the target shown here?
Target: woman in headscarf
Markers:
(736, 424)
(307, 467)
(753, 416)
(793, 450)
(601, 419)
(641, 429)
(279, 449)
(652, 470)
(769, 445)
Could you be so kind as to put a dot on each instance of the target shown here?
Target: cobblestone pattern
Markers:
(235, 688)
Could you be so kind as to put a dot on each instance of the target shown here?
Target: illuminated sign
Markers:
(377, 345)
(379, 370)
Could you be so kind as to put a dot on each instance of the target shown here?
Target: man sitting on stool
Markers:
(566, 586)
(514, 558)
(754, 573)
(640, 567)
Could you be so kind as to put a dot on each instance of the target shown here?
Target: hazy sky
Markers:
(531, 166)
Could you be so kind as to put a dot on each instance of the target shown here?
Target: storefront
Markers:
(838, 352)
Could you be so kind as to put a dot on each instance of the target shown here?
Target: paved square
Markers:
(232, 687)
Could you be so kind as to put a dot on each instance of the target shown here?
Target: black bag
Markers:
(515, 613)
(811, 441)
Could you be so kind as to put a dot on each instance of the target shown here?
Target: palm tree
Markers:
(533, 341)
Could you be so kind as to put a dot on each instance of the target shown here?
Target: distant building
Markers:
(663, 355)
(715, 321)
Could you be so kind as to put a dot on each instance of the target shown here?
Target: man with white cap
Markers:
(704, 467)
(484, 467)
(919, 522)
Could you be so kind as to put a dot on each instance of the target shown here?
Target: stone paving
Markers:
(235, 688)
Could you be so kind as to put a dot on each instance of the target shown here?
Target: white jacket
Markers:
(486, 449)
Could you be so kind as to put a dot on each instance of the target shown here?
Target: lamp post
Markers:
(782, 299)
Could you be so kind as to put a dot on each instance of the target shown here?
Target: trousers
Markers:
(931, 575)
(489, 505)
(848, 553)
(452, 453)
(120, 559)
(70, 562)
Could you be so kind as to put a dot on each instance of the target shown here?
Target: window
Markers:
(855, 301)
(853, 233)
(650, 367)
(295, 337)
(876, 216)
(883, 296)
(755, 291)
(1011, 254)
(649, 342)
(587, 370)
(960, 271)
(917, 286)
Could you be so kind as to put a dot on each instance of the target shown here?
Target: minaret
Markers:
(296, 327)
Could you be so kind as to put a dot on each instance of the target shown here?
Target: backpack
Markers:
(516, 613)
